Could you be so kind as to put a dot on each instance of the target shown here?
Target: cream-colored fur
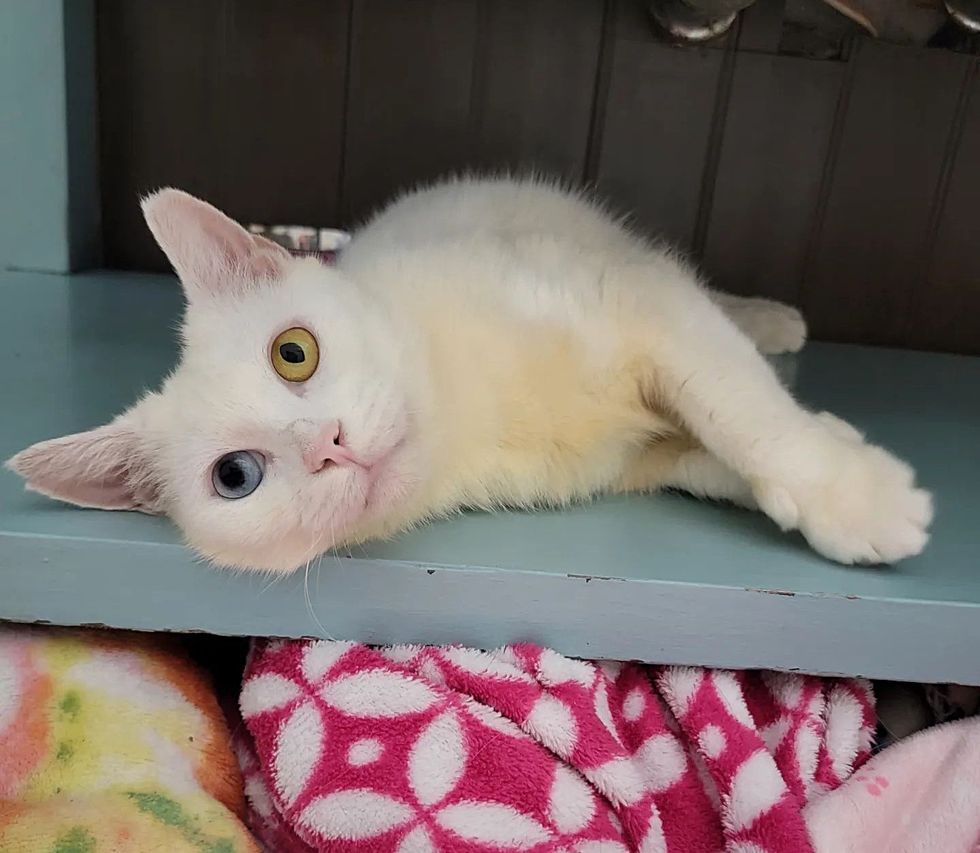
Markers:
(485, 343)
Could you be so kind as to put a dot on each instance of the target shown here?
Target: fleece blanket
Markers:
(921, 795)
(112, 742)
(411, 749)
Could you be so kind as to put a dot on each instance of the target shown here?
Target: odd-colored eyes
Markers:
(237, 474)
(295, 355)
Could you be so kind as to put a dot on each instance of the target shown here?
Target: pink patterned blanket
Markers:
(411, 749)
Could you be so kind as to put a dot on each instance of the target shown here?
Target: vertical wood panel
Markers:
(447, 85)
(541, 61)
(867, 259)
(947, 312)
(279, 109)
(658, 119)
(412, 68)
(761, 26)
(234, 100)
(776, 141)
(149, 99)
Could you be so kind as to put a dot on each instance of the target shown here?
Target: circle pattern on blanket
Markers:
(364, 751)
(435, 750)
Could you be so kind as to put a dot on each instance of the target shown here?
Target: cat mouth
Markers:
(375, 472)
(360, 497)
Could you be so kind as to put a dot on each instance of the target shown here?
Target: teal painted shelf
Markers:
(663, 579)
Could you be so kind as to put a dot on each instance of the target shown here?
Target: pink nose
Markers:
(327, 448)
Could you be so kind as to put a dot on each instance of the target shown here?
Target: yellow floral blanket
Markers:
(112, 741)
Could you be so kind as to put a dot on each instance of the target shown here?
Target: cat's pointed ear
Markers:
(210, 252)
(104, 468)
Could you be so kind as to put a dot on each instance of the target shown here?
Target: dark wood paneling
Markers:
(538, 82)
(761, 26)
(280, 109)
(147, 96)
(658, 119)
(448, 85)
(867, 259)
(775, 144)
(947, 313)
(225, 100)
(411, 77)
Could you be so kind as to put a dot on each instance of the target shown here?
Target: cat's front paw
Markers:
(864, 507)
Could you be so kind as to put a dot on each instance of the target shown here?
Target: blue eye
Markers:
(237, 474)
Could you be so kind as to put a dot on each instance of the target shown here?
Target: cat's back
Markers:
(493, 214)
(499, 248)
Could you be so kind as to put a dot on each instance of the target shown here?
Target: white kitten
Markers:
(480, 343)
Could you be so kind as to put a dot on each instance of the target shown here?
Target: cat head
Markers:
(290, 423)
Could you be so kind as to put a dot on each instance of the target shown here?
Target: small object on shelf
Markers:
(323, 243)
(901, 22)
(966, 13)
(696, 20)
(904, 22)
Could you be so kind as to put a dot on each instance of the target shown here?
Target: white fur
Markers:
(484, 343)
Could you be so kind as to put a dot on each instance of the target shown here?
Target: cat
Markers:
(481, 342)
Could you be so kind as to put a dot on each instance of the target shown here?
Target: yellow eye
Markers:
(295, 355)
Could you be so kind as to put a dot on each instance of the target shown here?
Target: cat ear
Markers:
(209, 252)
(104, 468)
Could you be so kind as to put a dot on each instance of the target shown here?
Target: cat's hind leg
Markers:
(678, 463)
(854, 502)
(773, 327)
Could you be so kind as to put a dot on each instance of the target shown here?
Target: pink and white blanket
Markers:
(411, 749)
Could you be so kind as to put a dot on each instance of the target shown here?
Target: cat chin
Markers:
(284, 556)
(252, 564)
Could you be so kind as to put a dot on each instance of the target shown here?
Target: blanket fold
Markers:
(921, 795)
(109, 742)
(351, 748)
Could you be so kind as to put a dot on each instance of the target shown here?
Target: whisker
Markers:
(306, 594)
(276, 578)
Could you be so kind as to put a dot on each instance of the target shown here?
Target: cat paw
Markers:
(774, 327)
(864, 507)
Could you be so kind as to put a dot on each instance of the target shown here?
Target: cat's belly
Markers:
(538, 409)
(558, 448)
